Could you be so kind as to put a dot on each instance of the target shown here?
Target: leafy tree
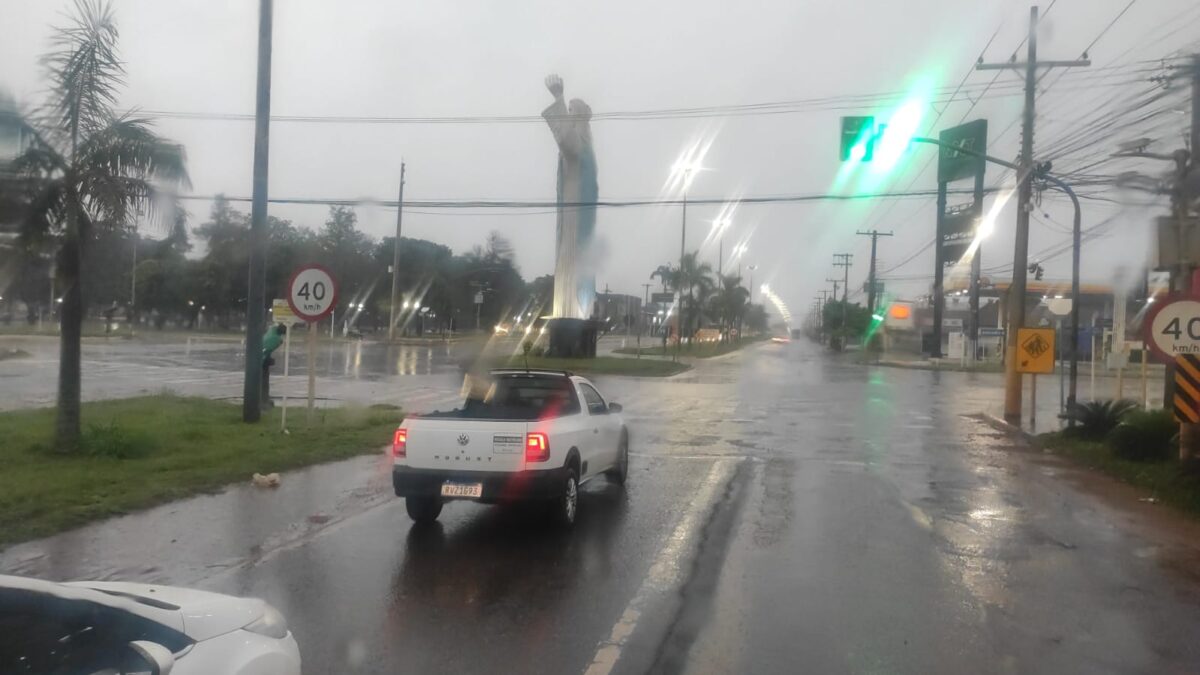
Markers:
(222, 275)
(87, 167)
(756, 318)
(853, 328)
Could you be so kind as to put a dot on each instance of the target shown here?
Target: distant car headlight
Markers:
(271, 624)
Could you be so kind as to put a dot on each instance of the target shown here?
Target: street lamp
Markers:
(751, 287)
(688, 165)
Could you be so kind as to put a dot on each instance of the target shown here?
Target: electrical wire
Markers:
(533, 204)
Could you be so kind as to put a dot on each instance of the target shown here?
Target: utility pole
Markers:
(1016, 292)
(836, 283)
(396, 257)
(679, 282)
(256, 295)
(1189, 434)
(821, 314)
(843, 261)
(874, 235)
(642, 317)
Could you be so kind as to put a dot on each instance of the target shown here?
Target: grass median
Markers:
(1166, 481)
(702, 350)
(600, 365)
(139, 452)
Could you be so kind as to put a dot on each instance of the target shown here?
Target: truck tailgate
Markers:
(467, 445)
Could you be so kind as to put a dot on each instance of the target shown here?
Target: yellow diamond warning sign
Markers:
(1035, 350)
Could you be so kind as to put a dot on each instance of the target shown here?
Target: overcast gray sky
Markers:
(478, 57)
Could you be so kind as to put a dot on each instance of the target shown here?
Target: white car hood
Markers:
(204, 615)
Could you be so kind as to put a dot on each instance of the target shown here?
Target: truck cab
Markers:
(519, 435)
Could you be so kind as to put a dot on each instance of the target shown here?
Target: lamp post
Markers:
(685, 169)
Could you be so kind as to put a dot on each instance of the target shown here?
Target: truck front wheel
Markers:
(423, 509)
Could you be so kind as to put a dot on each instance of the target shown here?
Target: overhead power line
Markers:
(520, 204)
(944, 97)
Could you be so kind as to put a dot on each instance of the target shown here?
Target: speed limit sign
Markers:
(1173, 327)
(312, 292)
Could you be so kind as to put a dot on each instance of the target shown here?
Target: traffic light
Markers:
(858, 139)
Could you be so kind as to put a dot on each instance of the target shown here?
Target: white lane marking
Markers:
(664, 572)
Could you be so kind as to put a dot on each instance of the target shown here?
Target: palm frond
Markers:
(84, 69)
(42, 213)
(126, 166)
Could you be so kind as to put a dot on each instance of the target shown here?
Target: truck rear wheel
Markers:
(564, 508)
(423, 509)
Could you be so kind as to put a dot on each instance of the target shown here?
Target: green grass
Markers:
(139, 452)
(601, 365)
(1165, 481)
(697, 351)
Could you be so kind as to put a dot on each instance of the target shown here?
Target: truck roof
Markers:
(531, 371)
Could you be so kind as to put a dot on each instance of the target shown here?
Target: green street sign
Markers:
(858, 139)
(954, 165)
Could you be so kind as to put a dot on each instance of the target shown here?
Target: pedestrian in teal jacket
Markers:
(271, 342)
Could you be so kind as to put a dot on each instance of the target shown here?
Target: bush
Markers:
(110, 440)
(1144, 436)
(1095, 419)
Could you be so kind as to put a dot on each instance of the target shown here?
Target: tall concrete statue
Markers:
(574, 268)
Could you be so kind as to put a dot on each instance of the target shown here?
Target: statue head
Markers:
(580, 109)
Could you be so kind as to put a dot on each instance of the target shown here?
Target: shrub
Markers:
(1095, 419)
(110, 440)
(1144, 436)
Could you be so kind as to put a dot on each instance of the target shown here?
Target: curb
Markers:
(1007, 427)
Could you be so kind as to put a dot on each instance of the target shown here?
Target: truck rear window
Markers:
(524, 397)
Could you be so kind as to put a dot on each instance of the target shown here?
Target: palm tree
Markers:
(694, 278)
(86, 167)
(729, 302)
(666, 274)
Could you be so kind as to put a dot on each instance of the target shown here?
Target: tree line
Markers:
(704, 297)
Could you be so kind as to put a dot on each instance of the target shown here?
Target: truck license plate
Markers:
(473, 490)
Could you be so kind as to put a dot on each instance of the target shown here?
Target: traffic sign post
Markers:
(1035, 354)
(312, 295)
(1186, 403)
(281, 312)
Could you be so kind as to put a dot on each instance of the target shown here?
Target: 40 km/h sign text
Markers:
(312, 292)
(1173, 327)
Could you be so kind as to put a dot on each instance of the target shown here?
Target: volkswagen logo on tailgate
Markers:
(463, 439)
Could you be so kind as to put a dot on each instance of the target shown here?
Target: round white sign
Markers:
(312, 292)
(1175, 329)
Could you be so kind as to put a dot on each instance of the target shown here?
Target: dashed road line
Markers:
(665, 571)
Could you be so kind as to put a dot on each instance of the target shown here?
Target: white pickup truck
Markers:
(534, 435)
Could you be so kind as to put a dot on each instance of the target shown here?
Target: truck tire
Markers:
(565, 508)
(619, 474)
(423, 509)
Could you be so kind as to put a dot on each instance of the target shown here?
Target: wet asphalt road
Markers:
(786, 513)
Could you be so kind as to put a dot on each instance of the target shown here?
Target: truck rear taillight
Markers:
(400, 443)
(537, 447)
